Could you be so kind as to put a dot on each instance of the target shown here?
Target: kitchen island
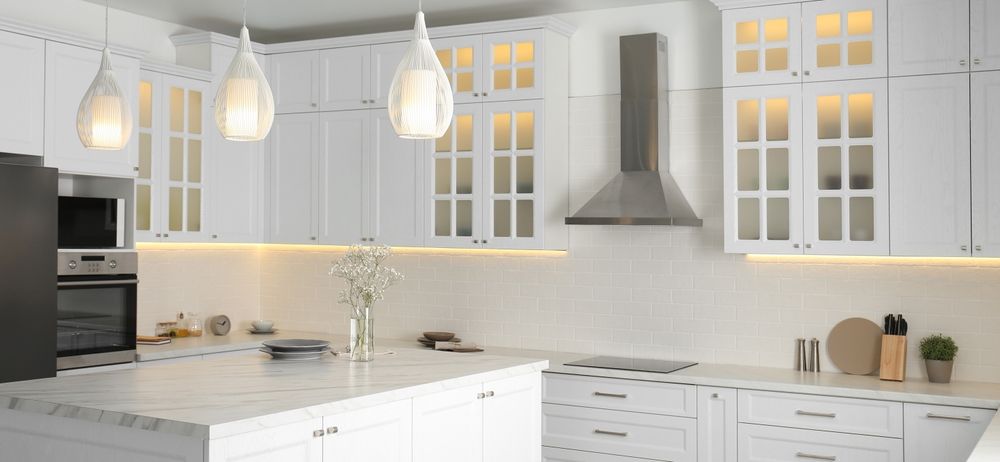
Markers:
(406, 406)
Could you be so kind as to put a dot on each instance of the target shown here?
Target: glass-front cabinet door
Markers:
(844, 39)
(846, 167)
(513, 67)
(761, 45)
(182, 145)
(763, 181)
(513, 209)
(147, 186)
(462, 60)
(455, 174)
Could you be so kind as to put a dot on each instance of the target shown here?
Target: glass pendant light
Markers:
(244, 105)
(421, 102)
(104, 119)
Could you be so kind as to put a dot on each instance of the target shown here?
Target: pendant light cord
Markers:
(244, 13)
(107, 8)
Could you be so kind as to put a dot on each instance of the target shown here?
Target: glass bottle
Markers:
(195, 326)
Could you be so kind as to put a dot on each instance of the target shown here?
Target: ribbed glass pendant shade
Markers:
(104, 120)
(421, 102)
(244, 105)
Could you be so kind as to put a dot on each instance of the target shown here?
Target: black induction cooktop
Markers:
(632, 364)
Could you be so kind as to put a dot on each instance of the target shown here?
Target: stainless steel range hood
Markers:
(642, 193)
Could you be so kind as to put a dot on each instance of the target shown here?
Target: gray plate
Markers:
(296, 345)
(296, 356)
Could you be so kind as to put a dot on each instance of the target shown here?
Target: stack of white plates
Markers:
(296, 349)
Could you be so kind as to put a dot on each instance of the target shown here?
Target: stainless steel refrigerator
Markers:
(28, 240)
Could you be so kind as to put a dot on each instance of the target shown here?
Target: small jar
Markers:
(182, 326)
(166, 328)
(195, 327)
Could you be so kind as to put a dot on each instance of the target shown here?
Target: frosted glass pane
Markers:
(501, 131)
(501, 54)
(463, 218)
(466, 57)
(524, 52)
(444, 57)
(463, 175)
(828, 117)
(525, 130)
(501, 79)
(442, 176)
(746, 61)
(862, 219)
(145, 104)
(443, 144)
(194, 161)
(194, 210)
(442, 218)
(862, 167)
(525, 175)
(859, 53)
(176, 159)
(145, 155)
(176, 109)
(465, 82)
(143, 207)
(777, 169)
(860, 115)
(747, 120)
(748, 218)
(176, 209)
(525, 218)
(859, 22)
(194, 112)
(501, 218)
(776, 30)
(746, 32)
(830, 219)
(828, 167)
(747, 170)
(464, 133)
(828, 25)
(777, 119)
(526, 77)
(828, 55)
(777, 219)
(501, 175)
(776, 59)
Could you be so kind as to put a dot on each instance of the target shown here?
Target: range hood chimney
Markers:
(643, 193)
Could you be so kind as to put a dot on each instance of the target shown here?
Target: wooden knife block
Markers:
(893, 362)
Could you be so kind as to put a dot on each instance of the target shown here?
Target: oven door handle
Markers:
(97, 283)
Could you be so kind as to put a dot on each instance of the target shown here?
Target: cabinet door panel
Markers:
(514, 65)
(346, 81)
(927, 426)
(566, 455)
(844, 39)
(514, 172)
(930, 157)
(288, 443)
(928, 36)
(385, 60)
(294, 143)
(512, 419)
(395, 214)
(717, 424)
(183, 160)
(295, 81)
(760, 443)
(461, 412)
(986, 164)
(382, 433)
(625, 433)
(237, 181)
(454, 182)
(985, 46)
(761, 45)
(341, 198)
(463, 61)
(149, 179)
(22, 94)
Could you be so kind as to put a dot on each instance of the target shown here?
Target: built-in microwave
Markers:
(91, 223)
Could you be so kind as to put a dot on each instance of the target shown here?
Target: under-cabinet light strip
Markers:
(874, 260)
(341, 248)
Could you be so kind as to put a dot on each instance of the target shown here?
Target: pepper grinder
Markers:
(800, 355)
(816, 353)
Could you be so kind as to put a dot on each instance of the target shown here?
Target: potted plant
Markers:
(938, 352)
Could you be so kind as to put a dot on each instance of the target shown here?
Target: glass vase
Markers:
(362, 337)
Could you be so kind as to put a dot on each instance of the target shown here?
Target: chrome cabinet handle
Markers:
(490, 394)
(475, 95)
(795, 246)
(480, 395)
(486, 94)
(965, 248)
(313, 104)
(332, 430)
(816, 414)
(807, 73)
(611, 395)
(962, 418)
(795, 73)
(312, 238)
(606, 432)
(979, 248)
(475, 241)
(95, 283)
(135, 169)
(484, 241)
(962, 62)
(809, 246)
(806, 455)
(159, 235)
(318, 433)
(977, 61)
(715, 396)
(215, 236)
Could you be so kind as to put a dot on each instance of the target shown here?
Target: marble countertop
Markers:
(208, 344)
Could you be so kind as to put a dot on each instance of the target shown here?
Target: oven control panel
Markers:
(97, 263)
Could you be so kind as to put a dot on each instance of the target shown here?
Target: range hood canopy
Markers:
(642, 193)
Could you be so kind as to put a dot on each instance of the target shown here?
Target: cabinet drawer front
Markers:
(566, 455)
(615, 432)
(846, 415)
(622, 395)
(928, 427)
(774, 444)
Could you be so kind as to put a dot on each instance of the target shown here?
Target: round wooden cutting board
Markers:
(854, 346)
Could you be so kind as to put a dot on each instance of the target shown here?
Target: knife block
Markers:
(893, 362)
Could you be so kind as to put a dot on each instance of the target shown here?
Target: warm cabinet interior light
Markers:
(104, 119)
(421, 102)
(244, 105)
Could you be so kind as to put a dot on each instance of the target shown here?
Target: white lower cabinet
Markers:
(630, 434)
(760, 443)
(297, 442)
(943, 433)
(567, 455)
(825, 413)
(512, 418)
(460, 413)
(717, 424)
(382, 433)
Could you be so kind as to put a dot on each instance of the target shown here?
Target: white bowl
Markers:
(262, 325)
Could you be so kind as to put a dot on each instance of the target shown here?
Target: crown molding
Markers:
(56, 35)
(733, 4)
(214, 38)
(174, 69)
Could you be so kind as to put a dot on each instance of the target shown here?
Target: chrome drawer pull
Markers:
(806, 455)
(605, 432)
(963, 418)
(610, 395)
(816, 414)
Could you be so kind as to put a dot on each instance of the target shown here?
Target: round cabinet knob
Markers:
(795, 73)
(113, 264)
(475, 241)
(807, 73)
(72, 264)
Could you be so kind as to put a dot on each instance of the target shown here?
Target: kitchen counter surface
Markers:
(237, 340)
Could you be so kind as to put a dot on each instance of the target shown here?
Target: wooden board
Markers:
(855, 346)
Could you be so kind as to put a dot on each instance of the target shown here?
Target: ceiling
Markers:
(273, 21)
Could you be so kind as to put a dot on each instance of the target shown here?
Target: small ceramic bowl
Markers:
(439, 336)
(262, 325)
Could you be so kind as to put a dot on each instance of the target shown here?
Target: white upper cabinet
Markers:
(762, 169)
(454, 174)
(761, 45)
(344, 143)
(985, 46)
(22, 94)
(69, 72)
(292, 163)
(846, 167)
(294, 80)
(462, 59)
(345, 78)
(928, 36)
(844, 39)
(182, 159)
(385, 60)
(930, 159)
(394, 183)
(986, 164)
(513, 66)
(236, 180)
